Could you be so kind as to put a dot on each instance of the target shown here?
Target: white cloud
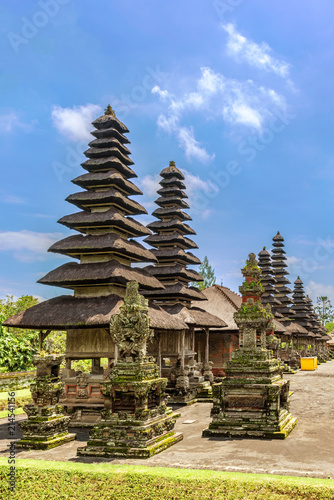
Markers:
(315, 290)
(75, 123)
(150, 185)
(192, 147)
(9, 121)
(27, 246)
(239, 103)
(13, 199)
(258, 55)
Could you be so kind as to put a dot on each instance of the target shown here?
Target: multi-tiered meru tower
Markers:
(106, 254)
(171, 246)
(173, 249)
(281, 292)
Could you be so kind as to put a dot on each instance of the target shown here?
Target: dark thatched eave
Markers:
(108, 142)
(107, 179)
(68, 312)
(72, 274)
(110, 218)
(161, 213)
(167, 201)
(78, 244)
(177, 271)
(296, 329)
(160, 226)
(108, 133)
(156, 240)
(106, 164)
(107, 152)
(195, 316)
(108, 121)
(175, 254)
(172, 181)
(172, 191)
(172, 171)
(178, 291)
(85, 199)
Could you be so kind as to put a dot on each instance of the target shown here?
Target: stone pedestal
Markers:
(252, 402)
(46, 426)
(135, 421)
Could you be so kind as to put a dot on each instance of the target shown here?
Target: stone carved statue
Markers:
(130, 329)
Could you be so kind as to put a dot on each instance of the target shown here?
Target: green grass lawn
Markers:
(39, 479)
(22, 393)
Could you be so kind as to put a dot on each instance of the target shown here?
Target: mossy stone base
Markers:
(127, 452)
(37, 444)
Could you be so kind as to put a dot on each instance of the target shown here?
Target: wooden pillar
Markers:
(183, 333)
(206, 354)
(116, 354)
(159, 360)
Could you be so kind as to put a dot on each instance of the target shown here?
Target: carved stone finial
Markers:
(172, 163)
(109, 111)
(130, 329)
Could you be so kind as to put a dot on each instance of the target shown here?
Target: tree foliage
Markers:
(324, 310)
(17, 346)
(208, 273)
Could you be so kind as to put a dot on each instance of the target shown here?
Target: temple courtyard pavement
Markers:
(308, 451)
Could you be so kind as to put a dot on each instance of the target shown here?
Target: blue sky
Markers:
(238, 93)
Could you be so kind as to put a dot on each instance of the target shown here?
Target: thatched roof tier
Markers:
(171, 201)
(88, 199)
(110, 219)
(107, 121)
(172, 181)
(281, 291)
(109, 142)
(195, 316)
(106, 164)
(109, 243)
(172, 171)
(168, 225)
(223, 303)
(299, 306)
(107, 179)
(161, 213)
(296, 329)
(178, 291)
(175, 255)
(172, 191)
(168, 239)
(68, 312)
(72, 274)
(176, 271)
(107, 152)
(109, 133)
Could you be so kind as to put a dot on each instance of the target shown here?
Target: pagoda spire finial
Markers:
(109, 111)
(172, 163)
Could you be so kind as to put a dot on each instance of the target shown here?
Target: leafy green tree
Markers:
(17, 346)
(324, 310)
(208, 273)
(330, 326)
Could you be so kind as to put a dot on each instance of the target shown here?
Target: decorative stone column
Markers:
(135, 421)
(46, 426)
(252, 401)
